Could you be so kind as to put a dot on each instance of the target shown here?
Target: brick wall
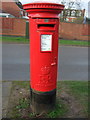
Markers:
(13, 26)
(74, 31)
(17, 27)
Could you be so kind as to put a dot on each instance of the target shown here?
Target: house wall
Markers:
(11, 8)
(17, 27)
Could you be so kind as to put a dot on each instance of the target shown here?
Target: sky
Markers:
(83, 2)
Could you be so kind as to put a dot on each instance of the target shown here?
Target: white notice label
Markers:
(46, 42)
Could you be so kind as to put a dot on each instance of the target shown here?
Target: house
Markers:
(12, 16)
(70, 15)
(12, 9)
(4, 14)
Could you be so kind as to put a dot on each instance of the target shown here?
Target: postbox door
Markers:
(44, 56)
(49, 57)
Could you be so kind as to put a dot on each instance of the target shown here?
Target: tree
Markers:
(63, 2)
(72, 9)
(19, 4)
(72, 4)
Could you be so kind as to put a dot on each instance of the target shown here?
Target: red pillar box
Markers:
(44, 23)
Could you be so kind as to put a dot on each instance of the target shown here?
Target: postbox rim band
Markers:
(43, 6)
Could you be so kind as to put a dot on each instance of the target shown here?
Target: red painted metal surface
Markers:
(44, 20)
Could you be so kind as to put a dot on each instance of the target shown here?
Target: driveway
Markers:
(73, 62)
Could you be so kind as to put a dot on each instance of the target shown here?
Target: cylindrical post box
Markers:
(44, 23)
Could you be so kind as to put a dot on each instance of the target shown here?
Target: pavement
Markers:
(6, 90)
(0, 100)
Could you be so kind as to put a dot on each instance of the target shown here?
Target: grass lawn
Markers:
(78, 89)
(71, 101)
(14, 39)
(61, 42)
(74, 42)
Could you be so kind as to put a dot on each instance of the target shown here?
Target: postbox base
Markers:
(42, 102)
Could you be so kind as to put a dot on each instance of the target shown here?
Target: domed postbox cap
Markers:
(43, 10)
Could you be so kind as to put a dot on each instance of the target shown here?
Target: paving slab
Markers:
(6, 89)
(0, 100)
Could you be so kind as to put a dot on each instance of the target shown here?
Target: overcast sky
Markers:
(84, 3)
